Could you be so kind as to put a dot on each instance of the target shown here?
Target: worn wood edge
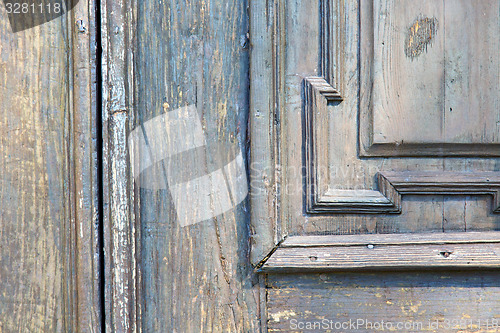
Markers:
(264, 128)
(263, 303)
(385, 257)
(320, 91)
(131, 15)
(294, 254)
(70, 236)
(119, 223)
(105, 167)
(316, 84)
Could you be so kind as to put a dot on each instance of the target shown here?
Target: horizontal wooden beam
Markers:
(466, 250)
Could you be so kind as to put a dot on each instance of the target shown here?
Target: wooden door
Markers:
(372, 149)
(375, 163)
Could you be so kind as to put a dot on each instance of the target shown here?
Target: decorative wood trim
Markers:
(263, 314)
(318, 94)
(394, 184)
(465, 250)
(430, 150)
(321, 94)
(332, 14)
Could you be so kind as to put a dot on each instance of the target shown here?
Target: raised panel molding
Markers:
(318, 95)
(393, 184)
(332, 14)
(323, 93)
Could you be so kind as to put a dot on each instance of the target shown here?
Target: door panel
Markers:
(434, 68)
(329, 79)
(382, 157)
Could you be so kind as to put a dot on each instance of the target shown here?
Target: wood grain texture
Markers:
(394, 239)
(84, 171)
(412, 297)
(394, 184)
(49, 264)
(385, 257)
(190, 277)
(118, 216)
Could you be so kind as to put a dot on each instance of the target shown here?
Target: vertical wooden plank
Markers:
(119, 229)
(263, 127)
(196, 276)
(88, 274)
(203, 276)
(48, 183)
(82, 24)
(33, 222)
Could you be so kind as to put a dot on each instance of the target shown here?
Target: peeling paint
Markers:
(286, 314)
(420, 34)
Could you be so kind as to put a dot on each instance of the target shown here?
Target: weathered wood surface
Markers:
(188, 277)
(440, 95)
(394, 239)
(48, 176)
(264, 127)
(448, 299)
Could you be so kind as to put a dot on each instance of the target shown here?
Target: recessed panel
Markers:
(433, 76)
